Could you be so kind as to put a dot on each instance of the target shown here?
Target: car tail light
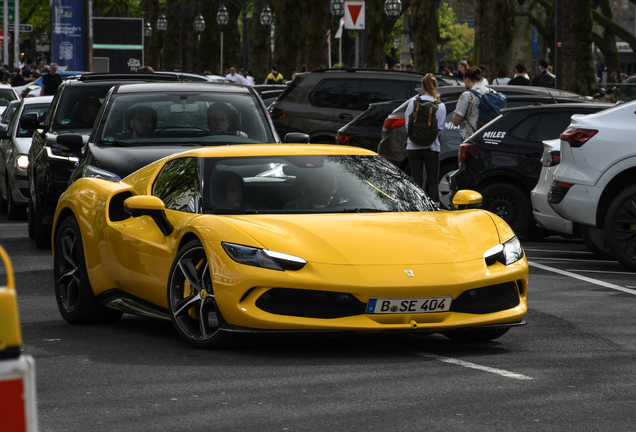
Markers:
(467, 152)
(394, 122)
(577, 137)
(553, 158)
(558, 190)
(277, 113)
(342, 139)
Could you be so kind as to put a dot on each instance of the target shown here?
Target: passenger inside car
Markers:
(87, 112)
(228, 190)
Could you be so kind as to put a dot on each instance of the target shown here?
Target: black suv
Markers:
(502, 160)
(50, 165)
(319, 103)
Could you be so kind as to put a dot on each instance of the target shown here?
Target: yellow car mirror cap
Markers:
(467, 199)
(10, 333)
(148, 205)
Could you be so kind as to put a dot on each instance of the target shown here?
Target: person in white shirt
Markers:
(238, 79)
(467, 109)
(501, 79)
(421, 157)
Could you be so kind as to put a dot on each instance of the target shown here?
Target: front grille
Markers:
(309, 303)
(486, 300)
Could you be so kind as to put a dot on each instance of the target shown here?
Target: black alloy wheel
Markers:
(594, 239)
(73, 291)
(14, 211)
(509, 203)
(191, 302)
(41, 232)
(620, 227)
(475, 335)
(31, 220)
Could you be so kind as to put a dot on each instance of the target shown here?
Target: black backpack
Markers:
(423, 122)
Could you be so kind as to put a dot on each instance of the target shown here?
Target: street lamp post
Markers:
(267, 18)
(147, 34)
(180, 12)
(162, 26)
(336, 7)
(222, 18)
(44, 40)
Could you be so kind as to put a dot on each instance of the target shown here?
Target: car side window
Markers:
(372, 91)
(551, 126)
(351, 95)
(522, 129)
(328, 93)
(178, 185)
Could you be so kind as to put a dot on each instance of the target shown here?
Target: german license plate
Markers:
(416, 305)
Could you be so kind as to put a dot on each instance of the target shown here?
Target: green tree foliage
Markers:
(456, 40)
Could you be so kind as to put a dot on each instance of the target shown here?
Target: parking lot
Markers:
(571, 367)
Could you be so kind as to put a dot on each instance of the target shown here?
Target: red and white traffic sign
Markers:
(354, 15)
(2, 37)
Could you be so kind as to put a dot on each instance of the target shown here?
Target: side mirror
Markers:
(297, 137)
(30, 121)
(72, 141)
(147, 205)
(4, 133)
(467, 199)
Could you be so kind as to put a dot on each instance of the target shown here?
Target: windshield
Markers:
(7, 115)
(6, 96)
(78, 108)
(309, 184)
(169, 118)
(41, 109)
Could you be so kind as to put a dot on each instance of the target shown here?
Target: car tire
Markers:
(14, 211)
(31, 220)
(3, 203)
(191, 303)
(620, 221)
(41, 232)
(444, 185)
(509, 203)
(594, 239)
(75, 299)
(475, 335)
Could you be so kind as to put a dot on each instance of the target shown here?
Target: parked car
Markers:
(7, 94)
(545, 215)
(365, 131)
(14, 160)
(595, 183)
(50, 165)
(259, 256)
(5, 117)
(195, 77)
(320, 102)
(502, 160)
(393, 133)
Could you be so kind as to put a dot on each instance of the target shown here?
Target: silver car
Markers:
(14, 160)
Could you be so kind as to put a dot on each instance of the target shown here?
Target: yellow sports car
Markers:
(284, 238)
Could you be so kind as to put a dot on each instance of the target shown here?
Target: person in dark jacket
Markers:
(544, 78)
(17, 79)
(520, 78)
(274, 77)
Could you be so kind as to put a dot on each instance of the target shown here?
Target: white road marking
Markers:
(470, 365)
(603, 271)
(583, 278)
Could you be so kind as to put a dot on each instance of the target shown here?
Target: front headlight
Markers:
(263, 258)
(507, 253)
(91, 171)
(22, 162)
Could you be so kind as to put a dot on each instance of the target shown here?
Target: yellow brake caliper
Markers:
(188, 291)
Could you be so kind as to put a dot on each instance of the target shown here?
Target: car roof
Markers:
(560, 106)
(101, 78)
(38, 100)
(204, 87)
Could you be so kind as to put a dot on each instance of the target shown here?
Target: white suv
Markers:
(595, 183)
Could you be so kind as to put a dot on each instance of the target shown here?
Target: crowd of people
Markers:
(23, 74)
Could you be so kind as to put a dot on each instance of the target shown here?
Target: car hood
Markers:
(376, 238)
(124, 161)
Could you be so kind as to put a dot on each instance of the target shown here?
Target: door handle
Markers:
(345, 116)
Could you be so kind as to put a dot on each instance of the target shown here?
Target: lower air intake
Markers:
(494, 298)
(309, 303)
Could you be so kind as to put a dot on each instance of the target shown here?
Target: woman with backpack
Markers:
(424, 118)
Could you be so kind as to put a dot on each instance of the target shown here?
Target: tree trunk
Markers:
(425, 33)
(521, 50)
(578, 70)
(610, 54)
(259, 63)
(494, 35)
(379, 28)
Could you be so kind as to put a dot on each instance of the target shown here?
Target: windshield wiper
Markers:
(364, 210)
(117, 143)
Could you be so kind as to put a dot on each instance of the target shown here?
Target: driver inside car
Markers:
(219, 117)
(142, 122)
(323, 186)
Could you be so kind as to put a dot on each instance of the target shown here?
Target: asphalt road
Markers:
(573, 367)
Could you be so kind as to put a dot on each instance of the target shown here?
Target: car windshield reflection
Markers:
(309, 184)
(175, 117)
